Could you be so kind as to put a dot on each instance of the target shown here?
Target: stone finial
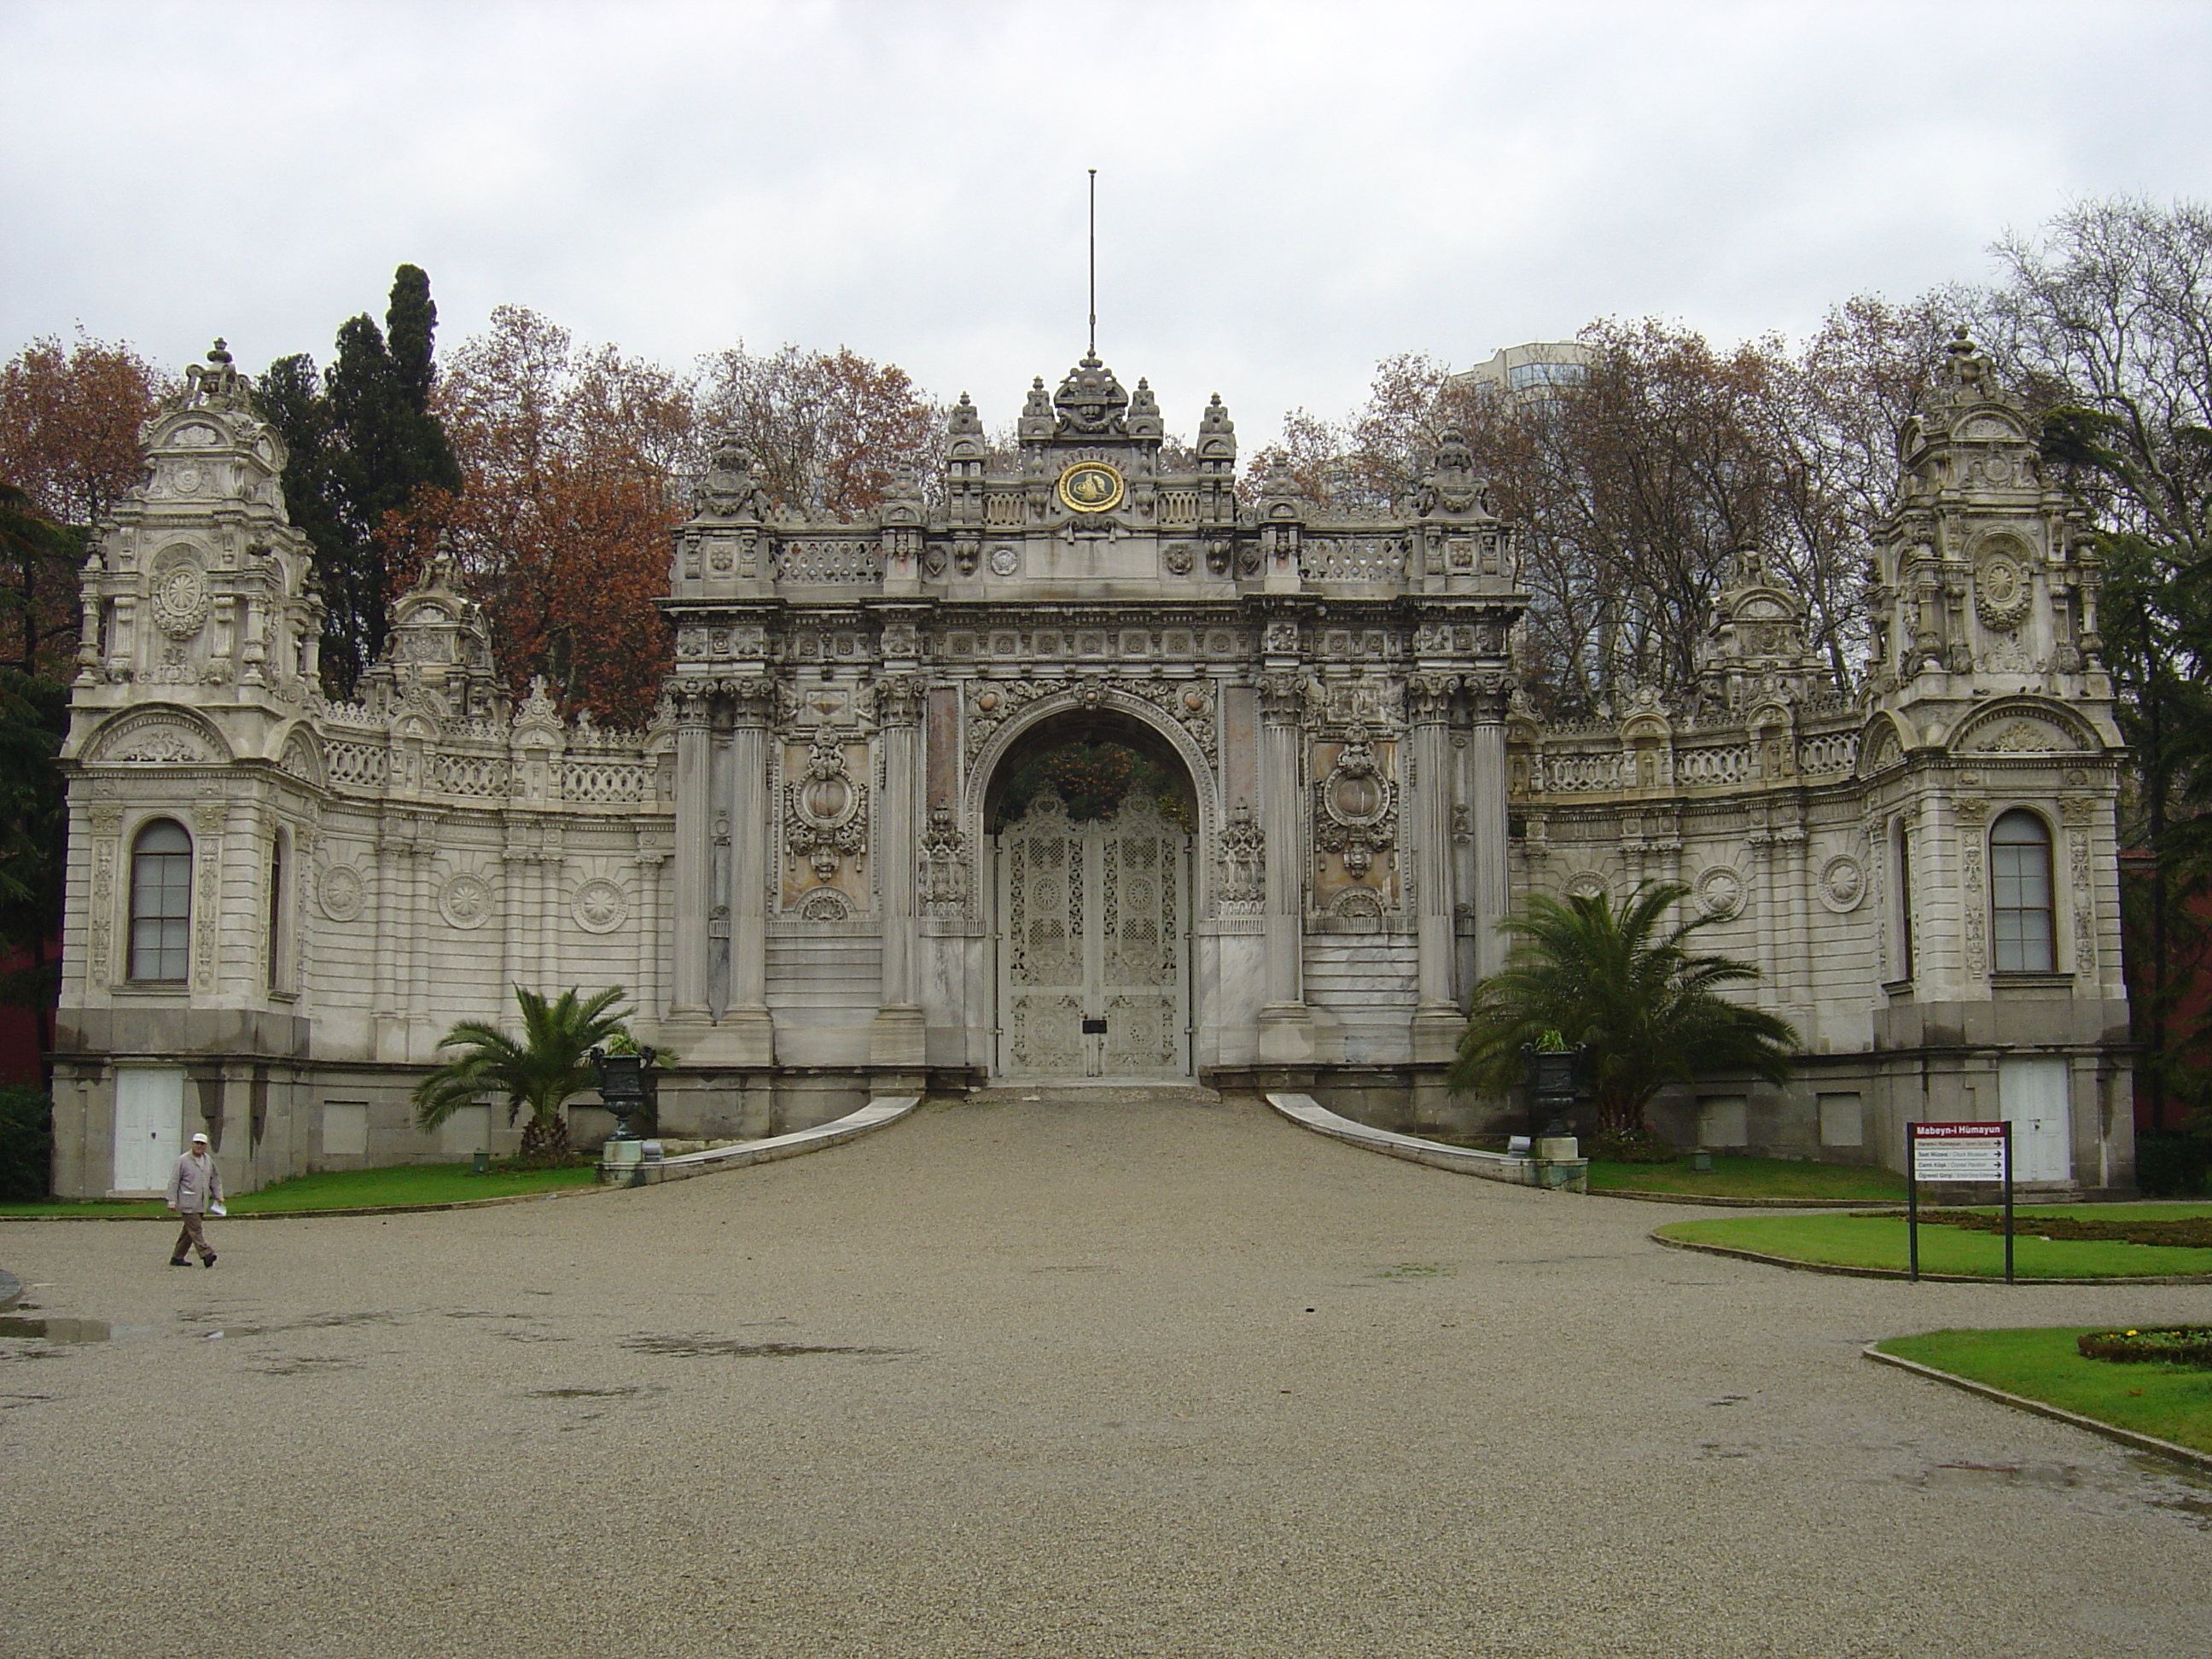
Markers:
(1145, 412)
(1090, 403)
(1217, 433)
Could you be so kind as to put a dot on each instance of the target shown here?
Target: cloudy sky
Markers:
(1287, 192)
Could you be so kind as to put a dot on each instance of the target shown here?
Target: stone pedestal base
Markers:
(899, 1036)
(1286, 1035)
(743, 1037)
(1557, 1148)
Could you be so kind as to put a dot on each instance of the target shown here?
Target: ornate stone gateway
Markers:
(1094, 927)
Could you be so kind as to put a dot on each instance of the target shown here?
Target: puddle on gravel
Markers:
(724, 1348)
(56, 1330)
(2053, 1476)
(309, 1366)
(589, 1393)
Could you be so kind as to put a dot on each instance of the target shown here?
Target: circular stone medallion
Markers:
(1720, 892)
(465, 902)
(1842, 885)
(600, 905)
(1005, 561)
(340, 893)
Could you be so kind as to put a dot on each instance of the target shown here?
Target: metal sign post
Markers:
(1955, 1152)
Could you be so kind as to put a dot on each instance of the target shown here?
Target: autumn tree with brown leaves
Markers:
(70, 414)
(570, 458)
(828, 430)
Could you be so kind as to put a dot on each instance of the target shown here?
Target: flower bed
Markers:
(2183, 1232)
(2172, 1345)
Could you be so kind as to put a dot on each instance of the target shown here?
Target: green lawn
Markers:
(1734, 1177)
(1858, 1240)
(350, 1190)
(2174, 1402)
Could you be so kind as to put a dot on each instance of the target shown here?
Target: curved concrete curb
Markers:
(1715, 1203)
(1558, 1175)
(1841, 1271)
(880, 1113)
(2043, 1408)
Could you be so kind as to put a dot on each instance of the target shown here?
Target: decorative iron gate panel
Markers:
(1094, 944)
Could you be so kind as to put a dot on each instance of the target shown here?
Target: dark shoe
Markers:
(208, 1260)
(178, 1261)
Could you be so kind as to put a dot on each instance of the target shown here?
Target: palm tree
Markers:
(1643, 1008)
(550, 1063)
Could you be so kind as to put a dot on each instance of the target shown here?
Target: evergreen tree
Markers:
(365, 443)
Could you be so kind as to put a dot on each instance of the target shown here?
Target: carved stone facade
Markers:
(800, 870)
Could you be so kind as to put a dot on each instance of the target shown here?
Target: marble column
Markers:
(1437, 1021)
(1428, 707)
(1487, 821)
(688, 983)
(897, 1037)
(1285, 1024)
(753, 822)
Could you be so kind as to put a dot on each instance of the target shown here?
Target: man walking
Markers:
(195, 1188)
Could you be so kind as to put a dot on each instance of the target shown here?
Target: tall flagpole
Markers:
(1094, 262)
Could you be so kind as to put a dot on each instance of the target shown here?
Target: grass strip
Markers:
(2168, 1402)
(404, 1184)
(1738, 1176)
(1868, 1241)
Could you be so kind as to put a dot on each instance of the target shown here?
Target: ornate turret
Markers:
(196, 581)
(1984, 583)
(1754, 647)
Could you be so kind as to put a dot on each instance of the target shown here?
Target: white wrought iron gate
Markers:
(1094, 932)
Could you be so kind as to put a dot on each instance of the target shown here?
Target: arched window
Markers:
(161, 903)
(276, 964)
(2020, 894)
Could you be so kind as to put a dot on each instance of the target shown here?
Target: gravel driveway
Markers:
(1112, 1375)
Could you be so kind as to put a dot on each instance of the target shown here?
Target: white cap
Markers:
(199, 1141)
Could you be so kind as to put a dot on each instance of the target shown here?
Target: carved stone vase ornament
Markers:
(824, 812)
(1358, 808)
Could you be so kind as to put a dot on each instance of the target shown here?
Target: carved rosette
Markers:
(825, 812)
(1355, 808)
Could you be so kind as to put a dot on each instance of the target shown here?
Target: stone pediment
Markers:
(2023, 728)
(156, 737)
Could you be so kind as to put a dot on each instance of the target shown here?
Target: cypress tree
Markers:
(364, 444)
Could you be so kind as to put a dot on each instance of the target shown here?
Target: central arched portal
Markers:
(1092, 818)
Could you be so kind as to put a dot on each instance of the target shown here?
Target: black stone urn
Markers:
(623, 1084)
(1551, 1089)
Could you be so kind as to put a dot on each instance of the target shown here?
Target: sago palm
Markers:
(1622, 984)
(538, 1073)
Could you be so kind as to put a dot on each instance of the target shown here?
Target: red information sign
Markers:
(1958, 1152)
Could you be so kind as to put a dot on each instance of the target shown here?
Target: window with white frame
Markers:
(2020, 894)
(161, 903)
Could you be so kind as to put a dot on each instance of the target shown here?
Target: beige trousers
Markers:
(191, 1238)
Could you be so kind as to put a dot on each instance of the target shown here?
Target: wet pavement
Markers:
(1099, 1376)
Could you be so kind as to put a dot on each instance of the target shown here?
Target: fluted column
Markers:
(1429, 706)
(753, 822)
(694, 813)
(897, 1038)
(1286, 1025)
(1486, 823)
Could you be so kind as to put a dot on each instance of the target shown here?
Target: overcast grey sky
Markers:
(1287, 192)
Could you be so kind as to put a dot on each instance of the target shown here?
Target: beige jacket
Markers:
(197, 1183)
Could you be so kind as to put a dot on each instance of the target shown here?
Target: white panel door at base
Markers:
(149, 1116)
(1094, 944)
(2031, 1097)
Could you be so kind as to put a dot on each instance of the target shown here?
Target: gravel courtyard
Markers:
(1083, 1375)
